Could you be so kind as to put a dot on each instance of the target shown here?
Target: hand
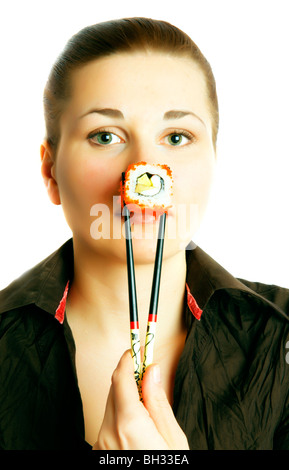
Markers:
(128, 423)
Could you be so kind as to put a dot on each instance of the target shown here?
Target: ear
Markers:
(48, 172)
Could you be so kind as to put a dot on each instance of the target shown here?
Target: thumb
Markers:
(159, 409)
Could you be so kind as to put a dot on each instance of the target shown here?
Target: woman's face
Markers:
(124, 109)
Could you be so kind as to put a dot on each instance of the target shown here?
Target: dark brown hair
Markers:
(111, 37)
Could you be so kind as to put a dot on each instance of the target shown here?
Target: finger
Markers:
(134, 427)
(122, 408)
(125, 392)
(158, 406)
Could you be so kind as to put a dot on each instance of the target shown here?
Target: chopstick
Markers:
(152, 317)
(134, 324)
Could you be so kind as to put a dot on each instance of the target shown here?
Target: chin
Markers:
(144, 246)
(145, 250)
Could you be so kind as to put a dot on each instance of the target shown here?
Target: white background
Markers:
(246, 228)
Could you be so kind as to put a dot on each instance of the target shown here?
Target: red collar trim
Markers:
(60, 311)
(192, 304)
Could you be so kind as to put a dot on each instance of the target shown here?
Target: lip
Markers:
(144, 218)
(148, 216)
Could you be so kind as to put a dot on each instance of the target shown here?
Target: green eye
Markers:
(104, 138)
(175, 139)
(179, 138)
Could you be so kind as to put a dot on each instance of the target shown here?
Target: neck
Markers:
(99, 293)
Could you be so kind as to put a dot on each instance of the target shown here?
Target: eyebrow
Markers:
(177, 114)
(110, 112)
(116, 113)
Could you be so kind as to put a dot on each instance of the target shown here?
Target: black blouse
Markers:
(231, 386)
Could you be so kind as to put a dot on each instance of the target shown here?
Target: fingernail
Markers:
(157, 374)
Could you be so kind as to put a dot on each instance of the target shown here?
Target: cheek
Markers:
(86, 182)
(192, 189)
(82, 184)
(100, 180)
(193, 183)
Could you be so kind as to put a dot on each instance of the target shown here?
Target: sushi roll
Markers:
(148, 186)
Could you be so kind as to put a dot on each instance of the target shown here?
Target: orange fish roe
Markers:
(159, 201)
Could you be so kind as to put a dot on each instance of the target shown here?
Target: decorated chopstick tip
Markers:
(147, 186)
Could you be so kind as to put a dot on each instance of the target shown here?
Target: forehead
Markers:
(140, 82)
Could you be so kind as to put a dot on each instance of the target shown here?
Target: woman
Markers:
(123, 92)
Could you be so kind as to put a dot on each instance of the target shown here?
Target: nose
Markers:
(139, 152)
(142, 149)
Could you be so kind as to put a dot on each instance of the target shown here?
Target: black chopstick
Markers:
(134, 323)
(152, 317)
